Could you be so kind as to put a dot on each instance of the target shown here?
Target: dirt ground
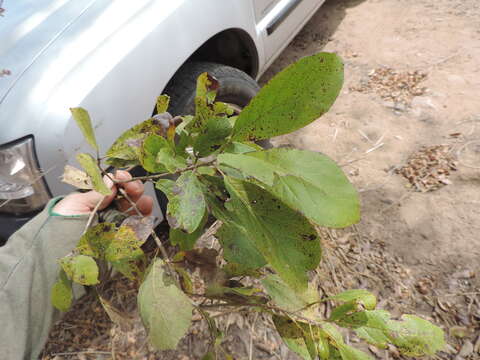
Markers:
(412, 80)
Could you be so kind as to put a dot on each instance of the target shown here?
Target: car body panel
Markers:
(113, 58)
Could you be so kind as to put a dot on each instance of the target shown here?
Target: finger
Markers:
(91, 198)
(145, 205)
(134, 189)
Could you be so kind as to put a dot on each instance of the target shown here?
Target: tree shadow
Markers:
(316, 33)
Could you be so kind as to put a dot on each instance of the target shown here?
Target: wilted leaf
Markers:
(122, 319)
(165, 310)
(306, 181)
(360, 296)
(80, 268)
(295, 335)
(89, 164)
(61, 293)
(75, 177)
(186, 206)
(287, 299)
(162, 103)
(141, 225)
(212, 136)
(294, 98)
(81, 117)
(284, 237)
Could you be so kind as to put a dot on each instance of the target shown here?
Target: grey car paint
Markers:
(113, 58)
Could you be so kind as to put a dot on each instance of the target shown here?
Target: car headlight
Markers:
(22, 187)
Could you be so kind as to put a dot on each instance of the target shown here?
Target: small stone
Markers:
(466, 349)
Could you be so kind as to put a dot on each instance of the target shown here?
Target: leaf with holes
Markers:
(61, 293)
(294, 98)
(285, 238)
(80, 268)
(89, 164)
(306, 181)
(76, 177)
(298, 336)
(186, 205)
(165, 310)
(82, 118)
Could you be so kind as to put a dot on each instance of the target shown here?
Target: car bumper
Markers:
(11, 223)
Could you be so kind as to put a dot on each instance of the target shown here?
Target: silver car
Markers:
(114, 58)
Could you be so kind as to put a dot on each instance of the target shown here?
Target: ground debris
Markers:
(393, 86)
(429, 168)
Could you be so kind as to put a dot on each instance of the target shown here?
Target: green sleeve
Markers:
(28, 269)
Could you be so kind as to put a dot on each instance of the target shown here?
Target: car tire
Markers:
(236, 87)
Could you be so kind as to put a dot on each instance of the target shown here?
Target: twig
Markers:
(462, 294)
(158, 176)
(86, 352)
(92, 215)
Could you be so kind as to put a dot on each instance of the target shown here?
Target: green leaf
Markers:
(415, 336)
(61, 293)
(360, 296)
(209, 356)
(186, 206)
(82, 118)
(80, 268)
(350, 353)
(187, 241)
(323, 347)
(126, 150)
(238, 248)
(162, 103)
(213, 135)
(241, 148)
(165, 310)
(306, 181)
(333, 334)
(287, 299)
(89, 164)
(342, 310)
(148, 155)
(172, 162)
(294, 98)
(285, 238)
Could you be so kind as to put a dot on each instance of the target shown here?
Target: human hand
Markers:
(84, 203)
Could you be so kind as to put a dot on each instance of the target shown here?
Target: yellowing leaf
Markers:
(162, 103)
(83, 121)
(61, 293)
(89, 164)
(80, 268)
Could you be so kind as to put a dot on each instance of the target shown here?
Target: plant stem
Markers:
(157, 176)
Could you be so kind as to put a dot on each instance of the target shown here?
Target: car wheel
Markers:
(236, 88)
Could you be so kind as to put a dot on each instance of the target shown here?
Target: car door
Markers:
(278, 21)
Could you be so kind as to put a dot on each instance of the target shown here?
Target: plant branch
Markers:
(92, 215)
(158, 176)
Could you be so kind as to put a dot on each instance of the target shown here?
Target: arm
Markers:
(28, 265)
